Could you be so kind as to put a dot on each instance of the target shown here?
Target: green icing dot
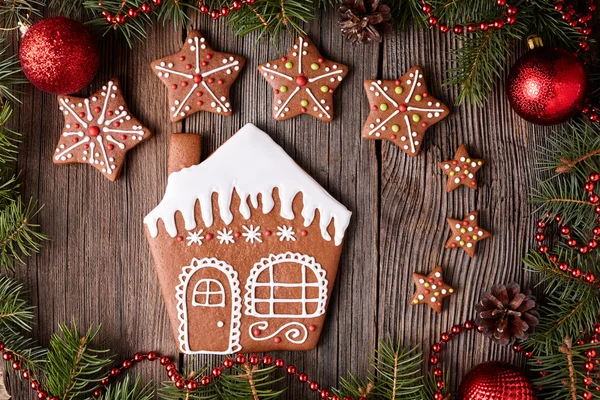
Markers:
(324, 89)
(383, 107)
(416, 117)
(304, 103)
(398, 89)
(418, 97)
(314, 66)
(289, 65)
(395, 128)
(283, 89)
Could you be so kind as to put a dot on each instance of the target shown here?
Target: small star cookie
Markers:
(402, 110)
(198, 78)
(98, 130)
(466, 233)
(431, 289)
(461, 170)
(303, 82)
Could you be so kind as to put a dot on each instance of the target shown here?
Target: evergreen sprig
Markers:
(17, 13)
(10, 75)
(16, 314)
(74, 365)
(128, 390)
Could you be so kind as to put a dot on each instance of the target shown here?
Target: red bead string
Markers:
(511, 18)
(120, 17)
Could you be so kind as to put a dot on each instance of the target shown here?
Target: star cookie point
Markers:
(198, 78)
(431, 289)
(466, 233)
(303, 82)
(98, 130)
(402, 110)
(461, 169)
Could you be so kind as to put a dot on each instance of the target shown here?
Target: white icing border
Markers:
(272, 260)
(236, 304)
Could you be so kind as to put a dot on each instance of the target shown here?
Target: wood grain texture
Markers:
(97, 268)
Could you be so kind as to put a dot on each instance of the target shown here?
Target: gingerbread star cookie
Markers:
(402, 110)
(431, 289)
(466, 233)
(98, 130)
(303, 82)
(461, 170)
(198, 78)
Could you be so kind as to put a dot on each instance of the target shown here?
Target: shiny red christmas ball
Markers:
(59, 56)
(496, 380)
(547, 86)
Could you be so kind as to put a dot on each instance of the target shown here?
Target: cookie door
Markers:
(209, 308)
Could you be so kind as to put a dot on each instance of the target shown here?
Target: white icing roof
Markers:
(250, 163)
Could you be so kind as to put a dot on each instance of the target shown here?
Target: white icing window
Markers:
(286, 285)
(208, 293)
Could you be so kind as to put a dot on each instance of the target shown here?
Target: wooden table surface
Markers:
(97, 269)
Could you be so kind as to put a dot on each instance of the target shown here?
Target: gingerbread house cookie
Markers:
(246, 246)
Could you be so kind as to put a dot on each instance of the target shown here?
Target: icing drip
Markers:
(260, 167)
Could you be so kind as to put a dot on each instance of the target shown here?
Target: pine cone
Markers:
(364, 20)
(506, 314)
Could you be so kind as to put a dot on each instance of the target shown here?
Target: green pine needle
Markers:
(10, 74)
(126, 390)
(25, 350)
(15, 311)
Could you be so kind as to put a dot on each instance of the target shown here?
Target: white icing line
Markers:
(73, 113)
(105, 129)
(189, 76)
(277, 73)
(317, 103)
(66, 134)
(207, 73)
(89, 111)
(295, 332)
(300, 54)
(412, 89)
(385, 94)
(424, 109)
(92, 147)
(111, 139)
(68, 149)
(108, 89)
(316, 78)
(214, 97)
(384, 122)
(412, 145)
(106, 163)
(122, 115)
(197, 55)
(287, 101)
(185, 99)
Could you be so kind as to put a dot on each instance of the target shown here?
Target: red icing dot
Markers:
(86, 146)
(209, 56)
(109, 113)
(393, 137)
(301, 80)
(426, 291)
(75, 140)
(82, 114)
(284, 58)
(277, 339)
(303, 109)
(179, 238)
(454, 162)
(320, 59)
(473, 183)
(402, 107)
(199, 94)
(123, 137)
(209, 236)
(276, 91)
(184, 84)
(199, 102)
(312, 328)
(453, 245)
(431, 280)
(267, 233)
(116, 124)
(465, 223)
(220, 81)
(374, 108)
(204, 63)
(237, 234)
(463, 176)
(424, 124)
(93, 131)
(424, 95)
(174, 86)
(257, 332)
(211, 80)
(330, 90)
(440, 283)
(197, 78)
(398, 82)
(76, 126)
(303, 232)
(439, 303)
(188, 66)
(97, 109)
(182, 58)
(110, 146)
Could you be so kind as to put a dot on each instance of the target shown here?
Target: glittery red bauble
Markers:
(547, 86)
(59, 56)
(496, 380)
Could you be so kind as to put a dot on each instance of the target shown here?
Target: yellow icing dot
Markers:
(462, 243)
(436, 293)
(398, 89)
(324, 88)
(479, 163)
(416, 117)
(314, 66)
(383, 106)
(451, 290)
(466, 171)
(451, 173)
(418, 97)
(468, 160)
(304, 103)
(395, 128)
(289, 65)
(463, 230)
(474, 237)
(426, 284)
(415, 301)
(283, 89)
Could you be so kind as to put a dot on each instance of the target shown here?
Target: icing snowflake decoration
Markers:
(195, 238)
(303, 82)
(198, 78)
(286, 233)
(402, 110)
(225, 236)
(98, 130)
(252, 234)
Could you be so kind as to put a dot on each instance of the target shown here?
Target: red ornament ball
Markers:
(496, 380)
(58, 55)
(547, 86)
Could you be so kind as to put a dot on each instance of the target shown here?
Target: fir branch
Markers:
(71, 8)
(24, 349)
(15, 311)
(16, 13)
(126, 390)
(249, 382)
(74, 365)
(567, 350)
(10, 75)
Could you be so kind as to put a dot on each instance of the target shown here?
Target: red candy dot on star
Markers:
(209, 56)
(110, 147)
(184, 84)
(188, 66)
(301, 80)
(182, 58)
(75, 140)
(402, 107)
(93, 131)
(211, 80)
(197, 78)
(220, 81)
(199, 102)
